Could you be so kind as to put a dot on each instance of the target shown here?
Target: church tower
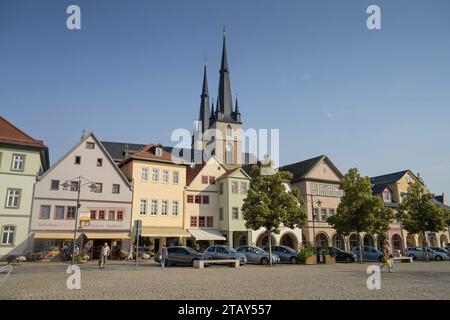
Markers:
(224, 120)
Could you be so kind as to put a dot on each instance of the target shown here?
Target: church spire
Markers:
(225, 102)
(204, 102)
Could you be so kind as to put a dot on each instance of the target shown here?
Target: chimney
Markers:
(83, 134)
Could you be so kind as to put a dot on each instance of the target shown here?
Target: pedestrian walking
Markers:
(387, 256)
(130, 254)
(164, 255)
(104, 254)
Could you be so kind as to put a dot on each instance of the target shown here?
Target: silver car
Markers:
(219, 252)
(420, 253)
(255, 254)
(441, 250)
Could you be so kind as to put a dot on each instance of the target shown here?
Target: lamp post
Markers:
(319, 203)
(65, 186)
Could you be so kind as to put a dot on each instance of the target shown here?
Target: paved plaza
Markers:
(120, 280)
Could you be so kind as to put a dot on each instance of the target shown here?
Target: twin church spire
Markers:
(224, 111)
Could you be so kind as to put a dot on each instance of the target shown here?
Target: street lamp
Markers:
(66, 186)
(319, 203)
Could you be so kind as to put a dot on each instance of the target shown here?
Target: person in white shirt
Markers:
(104, 254)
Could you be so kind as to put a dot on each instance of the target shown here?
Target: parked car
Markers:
(340, 255)
(255, 254)
(180, 256)
(441, 250)
(369, 253)
(219, 252)
(420, 253)
(285, 253)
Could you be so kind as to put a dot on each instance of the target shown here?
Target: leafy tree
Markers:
(269, 204)
(360, 210)
(420, 215)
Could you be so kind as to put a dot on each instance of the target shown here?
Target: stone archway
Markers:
(380, 241)
(322, 240)
(353, 241)
(338, 241)
(369, 240)
(289, 240)
(240, 239)
(444, 241)
(421, 240)
(411, 240)
(397, 242)
(263, 240)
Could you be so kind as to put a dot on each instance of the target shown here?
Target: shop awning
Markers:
(54, 235)
(164, 232)
(107, 235)
(206, 234)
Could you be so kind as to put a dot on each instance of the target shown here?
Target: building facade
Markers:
(104, 214)
(22, 158)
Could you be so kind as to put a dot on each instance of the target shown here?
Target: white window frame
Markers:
(314, 189)
(164, 207)
(177, 175)
(165, 176)
(10, 235)
(144, 174)
(13, 195)
(154, 207)
(143, 207)
(175, 208)
(18, 162)
(155, 174)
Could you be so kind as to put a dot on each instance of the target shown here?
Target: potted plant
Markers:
(82, 257)
(307, 256)
(330, 257)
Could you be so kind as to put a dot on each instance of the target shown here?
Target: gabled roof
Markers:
(118, 150)
(440, 204)
(193, 171)
(379, 183)
(148, 153)
(11, 135)
(231, 171)
(108, 156)
(301, 169)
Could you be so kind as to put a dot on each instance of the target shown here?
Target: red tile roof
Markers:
(9, 134)
(149, 153)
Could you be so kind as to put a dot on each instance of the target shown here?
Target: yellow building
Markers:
(158, 192)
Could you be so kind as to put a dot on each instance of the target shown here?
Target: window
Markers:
(98, 187)
(144, 174)
(99, 162)
(229, 153)
(234, 187)
(45, 212)
(59, 213)
(209, 222)
(93, 215)
(205, 179)
(73, 185)
(235, 213)
(90, 145)
(198, 199)
(229, 131)
(193, 222)
(321, 190)
(175, 177)
(330, 191)
(190, 199)
(111, 215)
(101, 215)
(387, 196)
(71, 211)
(77, 159)
(154, 210)
(221, 214)
(54, 185)
(337, 192)
(165, 176)
(13, 198)
(18, 162)
(331, 212)
(143, 207)
(221, 188)
(244, 187)
(314, 188)
(323, 214)
(155, 175)
(164, 207)
(202, 222)
(174, 208)
(158, 152)
(116, 188)
(212, 180)
(205, 199)
(119, 215)
(315, 214)
(8, 235)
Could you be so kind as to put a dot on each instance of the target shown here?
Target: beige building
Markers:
(105, 197)
(22, 159)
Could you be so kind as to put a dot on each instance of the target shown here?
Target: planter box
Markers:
(330, 260)
(309, 261)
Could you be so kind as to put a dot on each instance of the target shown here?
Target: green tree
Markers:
(269, 204)
(360, 210)
(420, 215)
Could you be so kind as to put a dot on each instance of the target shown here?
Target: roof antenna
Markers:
(83, 134)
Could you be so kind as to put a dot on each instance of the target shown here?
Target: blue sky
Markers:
(378, 100)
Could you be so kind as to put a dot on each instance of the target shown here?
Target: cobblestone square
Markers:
(418, 280)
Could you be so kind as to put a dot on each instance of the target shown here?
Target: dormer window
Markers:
(158, 152)
(387, 197)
